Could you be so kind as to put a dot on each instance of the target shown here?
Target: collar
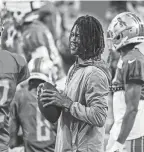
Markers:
(80, 62)
(99, 63)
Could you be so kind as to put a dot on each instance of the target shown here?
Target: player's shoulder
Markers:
(19, 59)
(8, 62)
(134, 57)
(91, 70)
(5, 54)
(22, 98)
(132, 65)
(98, 67)
(95, 72)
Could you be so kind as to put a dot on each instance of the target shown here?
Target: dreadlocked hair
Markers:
(91, 36)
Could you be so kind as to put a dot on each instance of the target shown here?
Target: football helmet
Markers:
(43, 68)
(125, 28)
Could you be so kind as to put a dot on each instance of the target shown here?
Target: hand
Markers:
(117, 147)
(40, 90)
(55, 98)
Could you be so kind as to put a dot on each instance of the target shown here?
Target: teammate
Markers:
(124, 34)
(13, 70)
(38, 41)
(38, 134)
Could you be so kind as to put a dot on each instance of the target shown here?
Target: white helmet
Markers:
(125, 28)
(42, 68)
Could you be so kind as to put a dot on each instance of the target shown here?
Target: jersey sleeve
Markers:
(133, 71)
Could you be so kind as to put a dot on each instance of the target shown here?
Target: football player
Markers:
(124, 34)
(38, 134)
(38, 37)
(38, 41)
(84, 100)
(13, 70)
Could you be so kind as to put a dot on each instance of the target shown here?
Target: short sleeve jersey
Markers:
(38, 133)
(130, 68)
(13, 70)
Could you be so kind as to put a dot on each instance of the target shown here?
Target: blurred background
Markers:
(28, 21)
(41, 28)
(24, 12)
(37, 28)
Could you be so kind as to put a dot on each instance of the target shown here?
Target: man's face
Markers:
(74, 41)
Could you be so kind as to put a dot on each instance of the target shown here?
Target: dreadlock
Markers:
(91, 36)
